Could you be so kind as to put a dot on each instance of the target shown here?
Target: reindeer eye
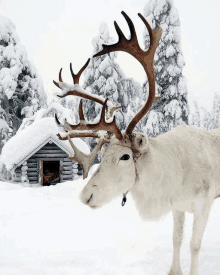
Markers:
(125, 157)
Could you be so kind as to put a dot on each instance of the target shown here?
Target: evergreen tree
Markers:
(216, 111)
(196, 116)
(172, 109)
(70, 103)
(21, 88)
(52, 109)
(206, 120)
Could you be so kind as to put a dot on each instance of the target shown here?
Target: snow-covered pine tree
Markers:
(196, 116)
(5, 130)
(21, 88)
(131, 101)
(206, 120)
(216, 111)
(172, 109)
(53, 108)
(70, 103)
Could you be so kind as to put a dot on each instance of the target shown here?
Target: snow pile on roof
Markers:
(28, 141)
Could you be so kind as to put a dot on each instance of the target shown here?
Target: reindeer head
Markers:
(117, 172)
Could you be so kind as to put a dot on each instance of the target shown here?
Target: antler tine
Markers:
(123, 44)
(146, 60)
(78, 91)
(113, 109)
(110, 127)
(76, 77)
(81, 115)
(132, 47)
(60, 76)
(88, 96)
(81, 94)
(60, 79)
(155, 35)
(75, 134)
(86, 160)
(83, 159)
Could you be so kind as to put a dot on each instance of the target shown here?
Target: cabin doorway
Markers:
(50, 172)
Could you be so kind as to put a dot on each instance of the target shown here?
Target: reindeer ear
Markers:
(140, 142)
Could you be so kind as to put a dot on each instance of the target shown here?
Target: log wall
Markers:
(69, 168)
(17, 174)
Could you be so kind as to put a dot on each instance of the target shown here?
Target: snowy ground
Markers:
(47, 230)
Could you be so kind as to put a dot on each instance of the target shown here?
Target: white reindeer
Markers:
(176, 171)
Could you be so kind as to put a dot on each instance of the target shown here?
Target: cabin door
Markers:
(50, 172)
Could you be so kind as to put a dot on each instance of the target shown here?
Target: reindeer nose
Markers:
(89, 199)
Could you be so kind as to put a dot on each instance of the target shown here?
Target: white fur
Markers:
(179, 171)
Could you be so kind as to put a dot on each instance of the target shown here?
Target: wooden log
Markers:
(31, 160)
(67, 172)
(51, 148)
(66, 159)
(50, 155)
(32, 165)
(32, 178)
(30, 169)
(67, 177)
(67, 164)
(50, 152)
(32, 174)
(67, 168)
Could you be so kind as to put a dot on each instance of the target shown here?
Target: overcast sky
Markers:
(57, 32)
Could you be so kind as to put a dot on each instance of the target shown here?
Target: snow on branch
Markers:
(54, 108)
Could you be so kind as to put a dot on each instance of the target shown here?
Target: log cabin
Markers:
(35, 155)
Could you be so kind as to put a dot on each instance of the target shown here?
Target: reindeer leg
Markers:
(178, 222)
(201, 213)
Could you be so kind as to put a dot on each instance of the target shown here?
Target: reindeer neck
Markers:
(153, 189)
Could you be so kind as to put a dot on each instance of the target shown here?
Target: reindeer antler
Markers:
(78, 91)
(110, 127)
(132, 47)
(75, 77)
(84, 129)
(84, 159)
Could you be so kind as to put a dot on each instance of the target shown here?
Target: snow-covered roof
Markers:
(28, 141)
